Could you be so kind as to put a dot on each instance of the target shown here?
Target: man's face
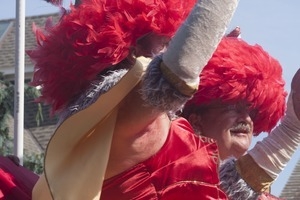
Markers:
(230, 125)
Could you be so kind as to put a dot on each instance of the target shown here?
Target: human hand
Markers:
(236, 32)
(55, 2)
(296, 93)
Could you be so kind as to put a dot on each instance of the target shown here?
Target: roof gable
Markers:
(292, 189)
(7, 42)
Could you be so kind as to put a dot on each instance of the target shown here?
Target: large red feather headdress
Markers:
(93, 36)
(239, 71)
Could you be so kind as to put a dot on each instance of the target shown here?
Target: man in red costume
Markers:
(114, 131)
(87, 67)
(241, 93)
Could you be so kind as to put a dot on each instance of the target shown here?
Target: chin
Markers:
(241, 151)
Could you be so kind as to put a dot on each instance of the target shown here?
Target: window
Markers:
(3, 27)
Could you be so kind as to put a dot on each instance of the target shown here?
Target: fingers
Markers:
(296, 93)
(296, 81)
(236, 32)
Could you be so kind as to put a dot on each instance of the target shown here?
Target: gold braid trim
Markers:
(255, 176)
(183, 87)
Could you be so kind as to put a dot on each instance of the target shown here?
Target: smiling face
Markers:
(230, 125)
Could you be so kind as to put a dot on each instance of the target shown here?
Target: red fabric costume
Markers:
(16, 182)
(166, 175)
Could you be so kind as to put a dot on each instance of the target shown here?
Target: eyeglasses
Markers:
(237, 108)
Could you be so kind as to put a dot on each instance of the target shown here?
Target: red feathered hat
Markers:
(237, 72)
(92, 37)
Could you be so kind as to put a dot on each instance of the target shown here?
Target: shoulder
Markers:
(181, 124)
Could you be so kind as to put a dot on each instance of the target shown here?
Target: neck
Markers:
(132, 149)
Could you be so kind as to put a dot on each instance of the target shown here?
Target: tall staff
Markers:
(19, 80)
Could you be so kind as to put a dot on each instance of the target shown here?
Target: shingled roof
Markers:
(36, 136)
(7, 43)
(292, 189)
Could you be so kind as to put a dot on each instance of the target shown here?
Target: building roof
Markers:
(7, 43)
(292, 188)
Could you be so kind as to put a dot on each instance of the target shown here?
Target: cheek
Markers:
(240, 145)
(224, 145)
(242, 142)
(217, 130)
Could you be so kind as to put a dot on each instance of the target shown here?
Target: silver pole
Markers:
(19, 80)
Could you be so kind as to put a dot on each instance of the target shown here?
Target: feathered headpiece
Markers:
(93, 36)
(238, 71)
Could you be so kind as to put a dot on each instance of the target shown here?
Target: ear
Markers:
(196, 122)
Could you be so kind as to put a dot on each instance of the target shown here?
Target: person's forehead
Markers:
(220, 104)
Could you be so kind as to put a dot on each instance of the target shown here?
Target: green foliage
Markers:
(5, 109)
(33, 162)
(6, 145)
(32, 93)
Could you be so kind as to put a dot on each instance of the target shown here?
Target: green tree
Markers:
(5, 110)
(33, 162)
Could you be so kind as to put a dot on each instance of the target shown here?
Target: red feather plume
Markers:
(93, 36)
(239, 71)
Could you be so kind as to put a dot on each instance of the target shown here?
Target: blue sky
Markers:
(274, 24)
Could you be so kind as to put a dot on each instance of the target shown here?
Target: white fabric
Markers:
(74, 169)
(202, 32)
(273, 152)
